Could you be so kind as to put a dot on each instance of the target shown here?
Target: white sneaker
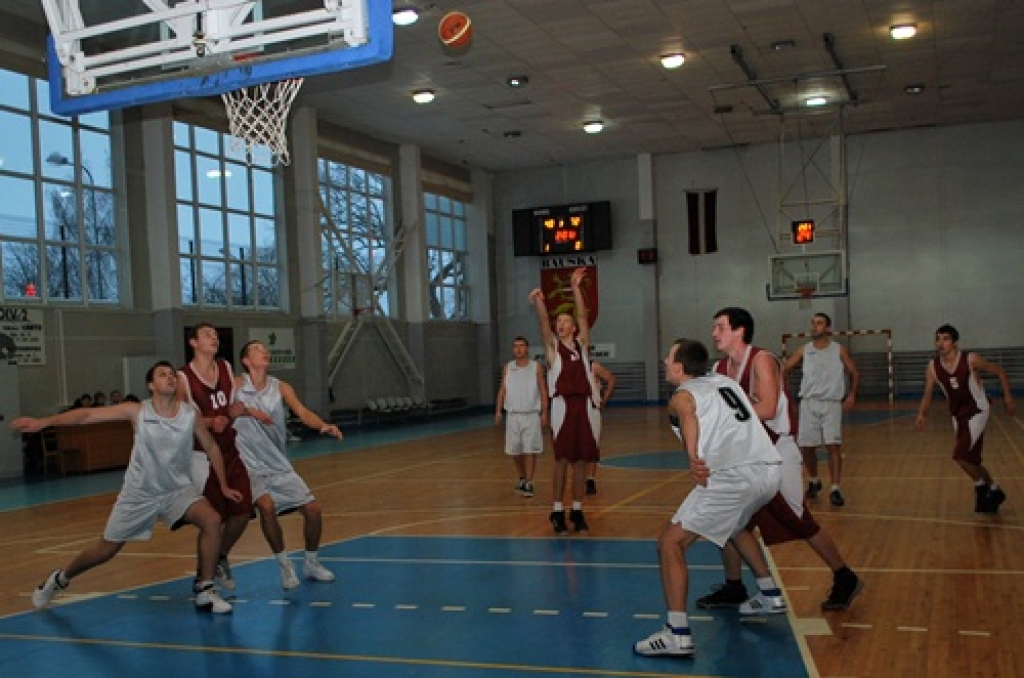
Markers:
(288, 579)
(222, 574)
(315, 571)
(762, 605)
(665, 643)
(209, 599)
(45, 592)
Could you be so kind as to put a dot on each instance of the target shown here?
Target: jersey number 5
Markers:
(735, 403)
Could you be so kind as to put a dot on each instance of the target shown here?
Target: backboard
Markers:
(814, 274)
(120, 53)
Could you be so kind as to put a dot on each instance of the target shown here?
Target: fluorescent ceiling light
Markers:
(405, 16)
(673, 60)
(423, 96)
(593, 126)
(903, 31)
(816, 101)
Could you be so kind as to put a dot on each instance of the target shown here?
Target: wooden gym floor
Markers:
(443, 570)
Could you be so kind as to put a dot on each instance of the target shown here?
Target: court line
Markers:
(322, 656)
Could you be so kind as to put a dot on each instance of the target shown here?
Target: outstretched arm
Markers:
(308, 417)
(77, 417)
(580, 303)
(793, 360)
(543, 320)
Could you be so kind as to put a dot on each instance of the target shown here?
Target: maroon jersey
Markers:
(214, 400)
(966, 397)
(785, 419)
(570, 375)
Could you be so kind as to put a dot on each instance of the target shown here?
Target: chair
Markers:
(52, 453)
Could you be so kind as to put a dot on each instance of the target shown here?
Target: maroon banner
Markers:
(556, 283)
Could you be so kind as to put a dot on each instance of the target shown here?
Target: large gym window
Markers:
(354, 240)
(59, 240)
(446, 257)
(227, 231)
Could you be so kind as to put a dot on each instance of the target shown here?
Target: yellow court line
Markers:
(293, 654)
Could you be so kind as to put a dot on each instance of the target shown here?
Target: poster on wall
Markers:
(281, 344)
(22, 338)
(556, 284)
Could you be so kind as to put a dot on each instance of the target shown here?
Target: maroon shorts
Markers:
(238, 479)
(573, 429)
(779, 524)
(970, 438)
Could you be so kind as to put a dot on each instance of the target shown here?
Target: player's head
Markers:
(203, 338)
(250, 352)
(161, 370)
(689, 355)
(734, 318)
(520, 346)
(949, 330)
(198, 330)
(821, 325)
(565, 325)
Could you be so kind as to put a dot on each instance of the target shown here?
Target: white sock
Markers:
(766, 584)
(678, 621)
(558, 507)
(577, 506)
(282, 557)
(311, 556)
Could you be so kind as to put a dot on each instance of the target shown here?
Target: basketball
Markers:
(455, 30)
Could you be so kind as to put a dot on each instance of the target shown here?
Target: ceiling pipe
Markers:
(737, 56)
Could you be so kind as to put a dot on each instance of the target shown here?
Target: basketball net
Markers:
(258, 116)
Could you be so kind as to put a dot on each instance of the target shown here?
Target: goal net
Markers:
(871, 350)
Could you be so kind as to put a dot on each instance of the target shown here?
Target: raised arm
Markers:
(307, 416)
(544, 320)
(580, 303)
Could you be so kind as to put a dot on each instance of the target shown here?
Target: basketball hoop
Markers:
(258, 116)
(805, 292)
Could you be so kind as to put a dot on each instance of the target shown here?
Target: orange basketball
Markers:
(455, 30)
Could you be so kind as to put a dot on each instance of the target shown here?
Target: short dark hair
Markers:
(243, 354)
(194, 332)
(692, 355)
(739, 317)
(828, 320)
(950, 330)
(152, 370)
(522, 339)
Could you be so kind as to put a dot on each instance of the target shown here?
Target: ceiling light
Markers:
(816, 101)
(780, 45)
(903, 31)
(517, 80)
(593, 126)
(405, 16)
(914, 89)
(423, 96)
(673, 60)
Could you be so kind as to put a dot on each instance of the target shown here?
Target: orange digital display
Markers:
(803, 232)
(563, 234)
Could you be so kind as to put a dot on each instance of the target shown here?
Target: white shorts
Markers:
(523, 433)
(732, 496)
(288, 490)
(132, 518)
(821, 422)
(200, 470)
(792, 486)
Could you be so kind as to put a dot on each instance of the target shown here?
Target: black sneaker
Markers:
(844, 590)
(836, 497)
(980, 498)
(579, 523)
(557, 519)
(813, 488)
(993, 498)
(724, 595)
(527, 490)
(591, 486)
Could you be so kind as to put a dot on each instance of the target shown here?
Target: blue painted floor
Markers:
(433, 607)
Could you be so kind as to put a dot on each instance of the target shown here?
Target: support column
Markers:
(412, 280)
(648, 279)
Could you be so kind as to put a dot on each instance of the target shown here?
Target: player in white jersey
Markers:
(523, 394)
(737, 471)
(157, 484)
(823, 397)
(262, 442)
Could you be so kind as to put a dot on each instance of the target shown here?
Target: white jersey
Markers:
(263, 447)
(161, 460)
(522, 393)
(823, 377)
(730, 433)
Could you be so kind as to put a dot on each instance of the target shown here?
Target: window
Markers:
(227, 232)
(354, 240)
(59, 240)
(446, 257)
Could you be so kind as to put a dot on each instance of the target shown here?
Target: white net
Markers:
(258, 116)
